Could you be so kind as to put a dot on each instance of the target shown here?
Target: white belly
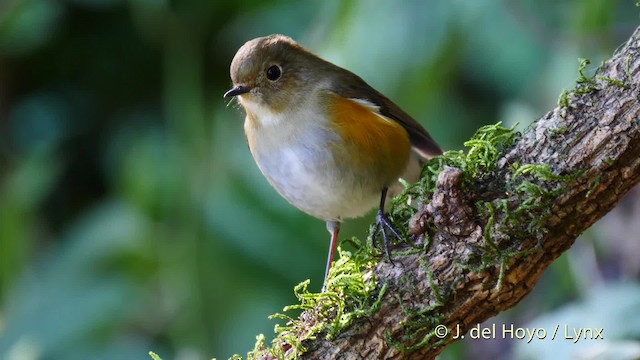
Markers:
(308, 177)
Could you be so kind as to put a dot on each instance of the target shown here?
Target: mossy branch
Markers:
(489, 222)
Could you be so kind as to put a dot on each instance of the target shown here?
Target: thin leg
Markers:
(382, 223)
(334, 229)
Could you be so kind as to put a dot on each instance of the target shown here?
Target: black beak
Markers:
(237, 90)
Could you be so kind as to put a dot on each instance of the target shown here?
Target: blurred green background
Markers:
(133, 218)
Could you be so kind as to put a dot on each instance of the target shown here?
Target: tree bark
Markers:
(591, 143)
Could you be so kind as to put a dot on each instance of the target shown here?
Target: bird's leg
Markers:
(382, 222)
(334, 228)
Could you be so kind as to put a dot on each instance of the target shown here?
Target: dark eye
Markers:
(274, 72)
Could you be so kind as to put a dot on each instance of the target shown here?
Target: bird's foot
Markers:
(383, 224)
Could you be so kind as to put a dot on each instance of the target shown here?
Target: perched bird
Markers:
(328, 142)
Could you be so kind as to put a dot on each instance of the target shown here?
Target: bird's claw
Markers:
(382, 223)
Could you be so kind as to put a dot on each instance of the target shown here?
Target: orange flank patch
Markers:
(377, 144)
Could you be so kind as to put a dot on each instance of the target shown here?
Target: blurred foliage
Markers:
(610, 308)
(132, 217)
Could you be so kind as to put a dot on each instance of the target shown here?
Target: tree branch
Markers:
(489, 240)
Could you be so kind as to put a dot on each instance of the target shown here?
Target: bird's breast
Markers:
(332, 163)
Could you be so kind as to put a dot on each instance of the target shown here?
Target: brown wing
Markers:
(420, 139)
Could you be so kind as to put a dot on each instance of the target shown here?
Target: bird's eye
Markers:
(274, 72)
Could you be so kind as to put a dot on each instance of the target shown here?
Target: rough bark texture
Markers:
(594, 140)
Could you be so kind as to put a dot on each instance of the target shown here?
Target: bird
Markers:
(329, 143)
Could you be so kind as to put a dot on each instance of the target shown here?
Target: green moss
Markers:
(582, 78)
(557, 132)
(437, 293)
(612, 81)
(535, 186)
(419, 324)
(541, 172)
(349, 295)
(585, 83)
(484, 149)
(563, 99)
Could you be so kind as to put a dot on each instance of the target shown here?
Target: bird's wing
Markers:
(420, 139)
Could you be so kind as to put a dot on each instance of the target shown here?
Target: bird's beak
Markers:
(237, 90)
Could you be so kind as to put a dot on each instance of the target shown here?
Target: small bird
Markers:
(329, 143)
